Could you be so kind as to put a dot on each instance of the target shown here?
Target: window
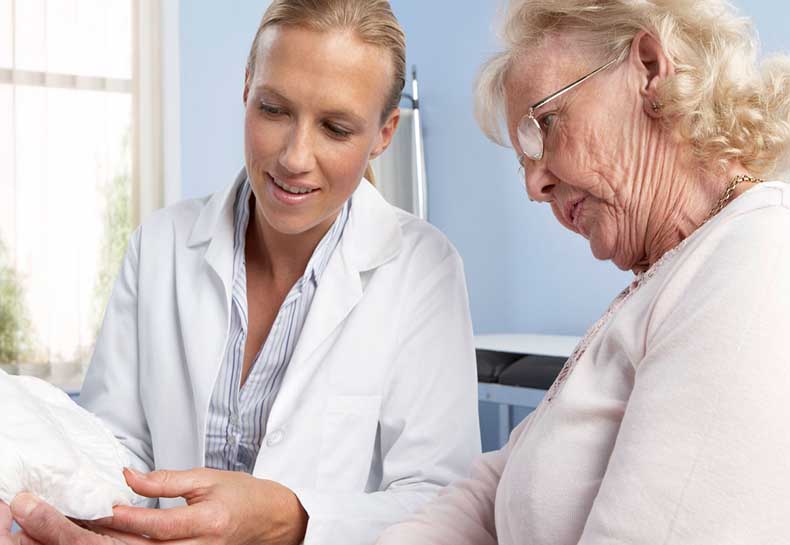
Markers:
(70, 111)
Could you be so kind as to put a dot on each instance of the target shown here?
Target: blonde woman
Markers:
(648, 128)
(295, 334)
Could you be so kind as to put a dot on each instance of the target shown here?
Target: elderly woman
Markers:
(296, 338)
(647, 128)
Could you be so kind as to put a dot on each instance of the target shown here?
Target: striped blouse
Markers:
(238, 414)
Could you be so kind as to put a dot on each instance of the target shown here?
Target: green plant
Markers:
(15, 327)
(117, 228)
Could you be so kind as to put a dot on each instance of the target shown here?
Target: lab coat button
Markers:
(274, 438)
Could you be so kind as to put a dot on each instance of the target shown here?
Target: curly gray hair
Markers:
(720, 100)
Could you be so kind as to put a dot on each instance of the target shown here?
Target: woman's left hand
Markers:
(223, 507)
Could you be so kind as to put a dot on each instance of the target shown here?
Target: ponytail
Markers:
(369, 175)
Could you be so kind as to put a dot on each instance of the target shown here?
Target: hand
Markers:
(6, 520)
(223, 507)
(42, 524)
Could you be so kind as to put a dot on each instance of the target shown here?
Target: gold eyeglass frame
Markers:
(521, 128)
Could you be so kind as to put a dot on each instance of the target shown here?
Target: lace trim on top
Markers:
(640, 279)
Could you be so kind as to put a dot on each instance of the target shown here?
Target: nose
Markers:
(297, 155)
(539, 180)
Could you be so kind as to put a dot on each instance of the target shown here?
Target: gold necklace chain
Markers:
(739, 179)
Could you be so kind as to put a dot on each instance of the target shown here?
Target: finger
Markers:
(128, 539)
(6, 524)
(122, 538)
(13, 540)
(165, 484)
(6, 520)
(45, 524)
(163, 524)
(24, 539)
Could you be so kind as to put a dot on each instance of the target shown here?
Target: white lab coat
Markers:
(378, 407)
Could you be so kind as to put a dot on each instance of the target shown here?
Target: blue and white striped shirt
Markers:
(238, 414)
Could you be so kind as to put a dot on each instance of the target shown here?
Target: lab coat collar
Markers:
(218, 211)
(372, 235)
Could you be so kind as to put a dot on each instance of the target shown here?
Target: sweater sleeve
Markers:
(463, 514)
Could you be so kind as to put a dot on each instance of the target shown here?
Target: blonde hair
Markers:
(372, 21)
(719, 99)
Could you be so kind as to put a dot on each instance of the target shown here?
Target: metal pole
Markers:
(422, 190)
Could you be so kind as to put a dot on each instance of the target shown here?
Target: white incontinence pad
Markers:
(53, 448)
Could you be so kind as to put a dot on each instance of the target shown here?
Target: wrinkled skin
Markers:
(639, 190)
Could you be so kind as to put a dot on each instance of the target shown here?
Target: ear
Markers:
(386, 132)
(247, 83)
(654, 67)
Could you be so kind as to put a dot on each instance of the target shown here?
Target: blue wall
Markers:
(215, 40)
(525, 272)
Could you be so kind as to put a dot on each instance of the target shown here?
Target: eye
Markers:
(336, 131)
(547, 121)
(271, 110)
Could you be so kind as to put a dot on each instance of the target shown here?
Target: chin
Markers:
(287, 224)
(621, 262)
(599, 253)
(291, 226)
(603, 251)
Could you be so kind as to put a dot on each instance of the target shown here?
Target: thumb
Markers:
(45, 524)
(164, 484)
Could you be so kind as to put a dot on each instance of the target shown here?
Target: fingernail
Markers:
(23, 505)
(135, 473)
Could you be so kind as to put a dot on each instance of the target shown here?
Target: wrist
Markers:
(288, 518)
(299, 518)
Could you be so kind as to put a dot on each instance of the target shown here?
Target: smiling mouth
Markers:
(293, 190)
(573, 213)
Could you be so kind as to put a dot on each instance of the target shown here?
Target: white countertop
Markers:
(528, 343)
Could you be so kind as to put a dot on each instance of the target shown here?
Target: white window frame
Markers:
(156, 161)
(155, 92)
(155, 87)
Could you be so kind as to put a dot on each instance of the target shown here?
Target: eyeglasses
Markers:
(529, 132)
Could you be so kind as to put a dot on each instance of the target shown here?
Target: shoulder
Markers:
(423, 241)
(736, 265)
(754, 229)
(178, 218)
(768, 201)
(382, 236)
(168, 231)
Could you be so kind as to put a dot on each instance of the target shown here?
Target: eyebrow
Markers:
(343, 114)
(271, 91)
(571, 86)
